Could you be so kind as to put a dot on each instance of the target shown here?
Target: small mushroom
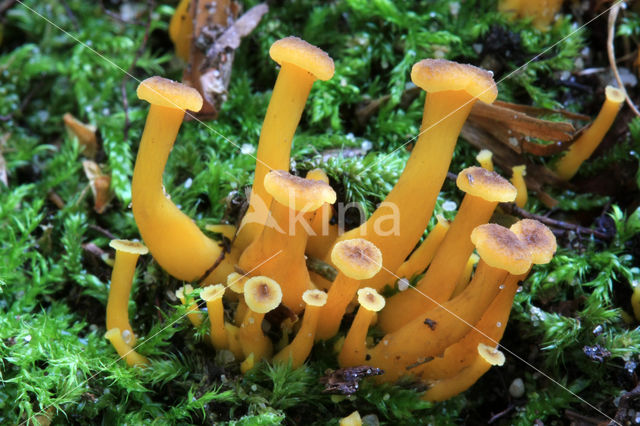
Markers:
(357, 260)
(485, 158)
(212, 295)
(127, 254)
(354, 349)
(125, 350)
(589, 140)
(517, 180)
(300, 348)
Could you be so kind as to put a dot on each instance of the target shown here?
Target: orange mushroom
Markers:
(485, 158)
(212, 295)
(517, 180)
(301, 65)
(127, 253)
(588, 141)
(398, 223)
(354, 348)
(324, 233)
(300, 348)
(357, 260)
(279, 250)
(484, 190)
(125, 350)
(428, 335)
(542, 12)
(421, 258)
(174, 240)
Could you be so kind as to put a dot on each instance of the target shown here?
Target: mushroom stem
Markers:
(354, 348)
(582, 149)
(173, 238)
(124, 350)
(127, 254)
(485, 158)
(212, 295)
(300, 348)
(194, 315)
(465, 277)
(517, 180)
(483, 359)
(421, 258)
(252, 339)
(340, 294)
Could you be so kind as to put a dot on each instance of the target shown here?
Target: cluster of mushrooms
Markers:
(443, 332)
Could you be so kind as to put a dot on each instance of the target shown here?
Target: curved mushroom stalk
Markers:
(483, 359)
(484, 190)
(354, 348)
(582, 149)
(517, 180)
(428, 335)
(421, 258)
(398, 224)
(301, 65)
(174, 240)
(125, 350)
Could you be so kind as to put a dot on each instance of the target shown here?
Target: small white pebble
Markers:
(254, 388)
(188, 183)
(403, 284)
(449, 206)
(247, 148)
(386, 397)
(27, 338)
(366, 145)
(516, 388)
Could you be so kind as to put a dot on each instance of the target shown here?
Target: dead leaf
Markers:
(85, 133)
(99, 183)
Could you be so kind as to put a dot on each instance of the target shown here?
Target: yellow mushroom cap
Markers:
(370, 299)
(539, 239)
(614, 94)
(128, 246)
(314, 297)
(318, 174)
(168, 93)
(262, 294)
(484, 155)
(500, 248)
(492, 355)
(236, 282)
(299, 194)
(182, 291)
(212, 292)
(357, 258)
(298, 52)
(490, 186)
(438, 75)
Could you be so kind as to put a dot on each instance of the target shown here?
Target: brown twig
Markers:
(125, 102)
(321, 268)
(518, 211)
(501, 414)
(611, 27)
(103, 231)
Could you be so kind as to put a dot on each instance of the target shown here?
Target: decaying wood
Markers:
(216, 35)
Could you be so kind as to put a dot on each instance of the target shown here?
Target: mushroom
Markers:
(485, 357)
(174, 240)
(465, 277)
(517, 180)
(354, 348)
(300, 348)
(262, 295)
(125, 350)
(398, 223)
(589, 140)
(489, 330)
(181, 30)
(324, 233)
(357, 260)
(484, 190)
(301, 65)
(542, 12)
(352, 419)
(428, 335)
(485, 158)
(184, 295)
(236, 282)
(212, 295)
(278, 252)
(421, 258)
(127, 253)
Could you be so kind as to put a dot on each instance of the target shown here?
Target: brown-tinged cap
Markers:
(539, 239)
(357, 258)
(168, 93)
(299, 194)
(293, 50)
(318, 174)
(236, 281)
(488, 185)
(314, 297)
(613, 94)
(370, 299)
(127, 246)
(500, 248)
(212, 292)
(492, 355)
(262, 294)
(438, 75)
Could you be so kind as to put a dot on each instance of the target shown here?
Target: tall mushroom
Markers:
(398, 223)
(484, 190)
(301, 65)
(174, 240)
